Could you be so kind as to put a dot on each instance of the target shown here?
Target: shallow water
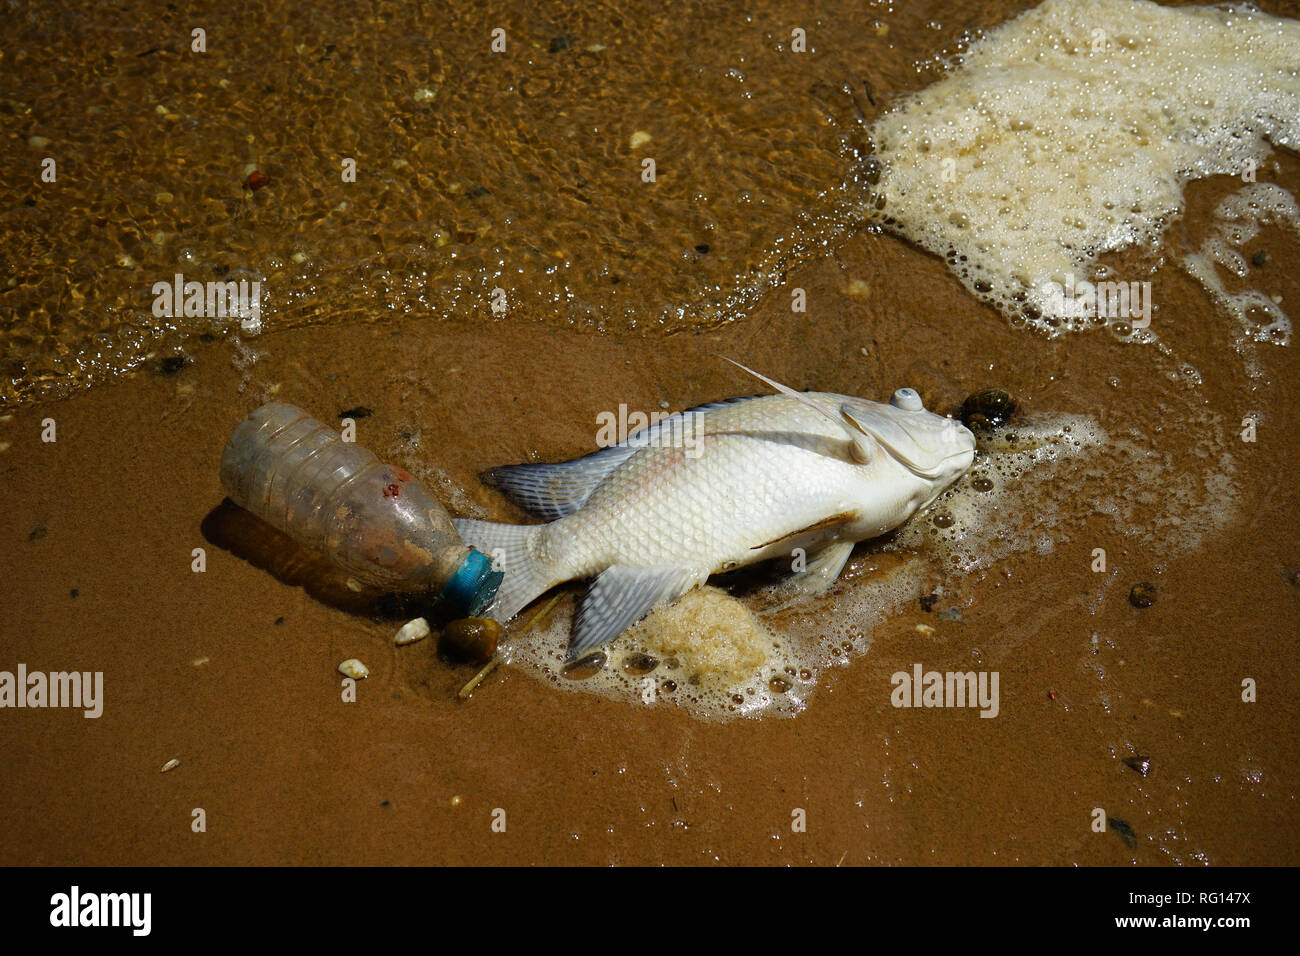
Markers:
(379, 315)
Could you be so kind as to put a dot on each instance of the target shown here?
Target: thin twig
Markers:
(465, 692)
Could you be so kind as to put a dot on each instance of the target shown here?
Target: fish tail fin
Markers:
(513, 550)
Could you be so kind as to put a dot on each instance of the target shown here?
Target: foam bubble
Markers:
(1070, 132)
(1237, 220)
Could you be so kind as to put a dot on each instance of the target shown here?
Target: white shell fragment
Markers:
(354, 668)
(170, 765)
(411, 631)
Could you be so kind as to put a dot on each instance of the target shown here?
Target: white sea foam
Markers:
(1071, 131)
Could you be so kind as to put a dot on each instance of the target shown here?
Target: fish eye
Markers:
(907, 399)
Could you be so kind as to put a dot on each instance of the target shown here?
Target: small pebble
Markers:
(39, 142)
(1141, 764)
(411, 631)
(987, 408)
(950, 614)
(1124, 831)
(1259, 258)
(354, 668)
(639, 139)
(171, 765)
(585, 667)
(857, 289)
(470, 638)
(640, 663)
(1142, 595)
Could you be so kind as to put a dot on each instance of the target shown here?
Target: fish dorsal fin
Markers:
(557, 490)
(860, 440)
(623, 595)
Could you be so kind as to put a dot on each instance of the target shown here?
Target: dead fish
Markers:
(715, 488)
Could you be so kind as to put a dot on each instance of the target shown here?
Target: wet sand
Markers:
(100, 525)
(289, 773)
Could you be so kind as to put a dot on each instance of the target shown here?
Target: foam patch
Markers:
(1071, 131)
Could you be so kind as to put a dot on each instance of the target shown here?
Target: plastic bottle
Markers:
(373, 520)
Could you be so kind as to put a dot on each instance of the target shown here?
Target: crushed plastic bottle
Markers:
(373, 520)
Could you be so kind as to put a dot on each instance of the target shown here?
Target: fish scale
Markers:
(717, 488)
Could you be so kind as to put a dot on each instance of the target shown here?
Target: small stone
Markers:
(411, 631)
(950, 614)
(987, 408)
(858, 289)
(354, 668)
(470, 638)
(199, 661)
(423, 95)
(1142, 595)
(1259, 258)
(925, 629)
(1124, 831)
(585, 667)
(640, 663)
(38, 142)
(639, 139)
(170, 765)
(1141, 764)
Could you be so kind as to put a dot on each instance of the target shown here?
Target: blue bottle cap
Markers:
(474, 585)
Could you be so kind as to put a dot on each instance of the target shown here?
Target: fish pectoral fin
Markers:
(822, 570)
(826, 523)
(621, 596)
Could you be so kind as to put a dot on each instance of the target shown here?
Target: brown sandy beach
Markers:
(100, 525)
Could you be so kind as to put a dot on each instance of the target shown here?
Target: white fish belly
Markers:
(723, 508)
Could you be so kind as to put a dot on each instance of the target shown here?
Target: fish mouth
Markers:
(891, 444)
